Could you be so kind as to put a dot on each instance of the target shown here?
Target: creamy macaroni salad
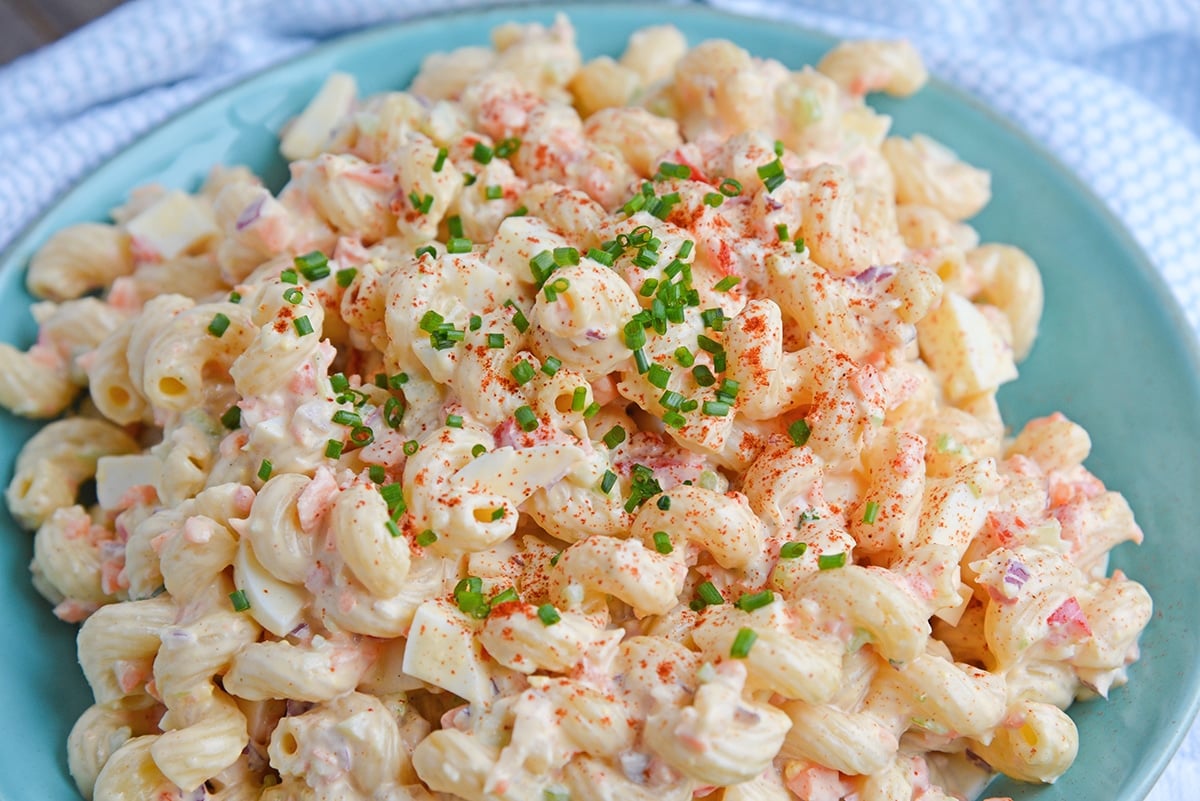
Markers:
(613, 430)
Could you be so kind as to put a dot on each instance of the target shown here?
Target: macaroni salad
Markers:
(595, 431)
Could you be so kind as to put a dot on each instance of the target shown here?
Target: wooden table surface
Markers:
(28, 24)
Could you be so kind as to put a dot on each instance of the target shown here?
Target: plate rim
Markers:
(1185, 335)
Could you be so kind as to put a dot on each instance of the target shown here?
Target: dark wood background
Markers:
(28, 24)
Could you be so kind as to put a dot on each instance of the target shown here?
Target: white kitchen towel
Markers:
(1111, 87)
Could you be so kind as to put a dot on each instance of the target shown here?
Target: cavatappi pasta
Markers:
(609, 430)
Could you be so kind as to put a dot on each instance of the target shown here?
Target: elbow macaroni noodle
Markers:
(610, 430)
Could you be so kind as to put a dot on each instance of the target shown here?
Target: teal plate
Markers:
(1115, 355)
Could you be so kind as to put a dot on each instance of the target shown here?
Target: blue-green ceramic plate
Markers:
(1114, 355)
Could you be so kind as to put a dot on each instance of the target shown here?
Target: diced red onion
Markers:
(250, 214)
(1015, 574)
(875, 274)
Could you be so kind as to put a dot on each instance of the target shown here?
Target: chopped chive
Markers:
(219, 325)
(289, 276)
(671, 400)
(690, 405)
(792, 550)
(411, 447)
(526, 419)
(421, 203)
(430, 321)
(800, 244)
(497, 513)
(601, 256)
(293, 295)
(333, 448)
(664, 503)
(392, 494)
(710, 345)
(727, 283)
(469, 178)
(555, 288)
(781, 231)
(773, 182)
(730, 187)
(345, 418)
(427, 537)
(778, 147)
(713, 199)
(662, 542)
(522, 373)
(719, 360)
(713, 318)
(440, 161)
(495, 341)
(742, 643)
(313, 266)
(362, 436)
(303, 326)
(799, 431)
(377, 473)
(709, 594)
(264, 469)
(235, 297)
(239, 600)
(398, 380)
(684, 357)
(507, 146)
(475, 322)
(579, 399)
(393, 413)
(751, 601)
(830, 561)
(520, 322)
(428, 249)
(608, 481)
(870, 512)
(648, 287)
(548, 614)
(658, 376)
(482, 153)
(634, 204)
(551, 365)
(504, 597)
(493, 192)
(232, 418)
(345, 277)
(635, 335)
(392, 528)
(640, 360)
(728, 390)
(770, 169)
(566, 257)
(591, 411)
(554, 559)
(454, 421)
(614, 436)
(674, 420)
(454, 225)
(459, 245)
(715, 408)
(670, 170)
(685, 249)
(519, 211)
(704, 376)
(479, 449)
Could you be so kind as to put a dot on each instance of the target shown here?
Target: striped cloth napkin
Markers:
(1108, 86)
